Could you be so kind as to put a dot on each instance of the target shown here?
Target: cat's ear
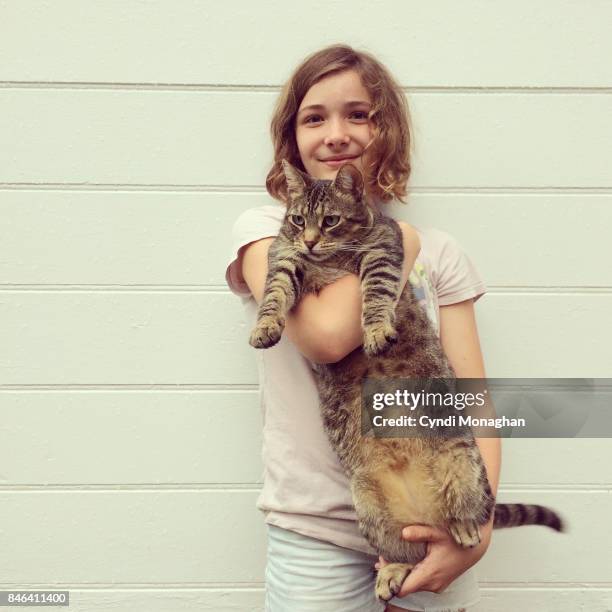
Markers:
(349, 180)
(296, 179)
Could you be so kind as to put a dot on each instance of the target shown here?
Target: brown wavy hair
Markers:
(386, 159)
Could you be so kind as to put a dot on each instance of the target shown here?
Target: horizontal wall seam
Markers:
(214, 587)
(256, 487)
(122, 388)
(266, 88)
(258, 190)
(222, 289)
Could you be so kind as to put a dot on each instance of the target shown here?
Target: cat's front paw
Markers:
(377, 337)
(267, 332)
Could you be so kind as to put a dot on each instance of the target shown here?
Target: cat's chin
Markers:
(318, 257)
(312, 254)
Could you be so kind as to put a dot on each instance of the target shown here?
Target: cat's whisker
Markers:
(346, 249)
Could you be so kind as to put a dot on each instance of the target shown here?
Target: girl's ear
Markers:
(296, 179)
(349, 180)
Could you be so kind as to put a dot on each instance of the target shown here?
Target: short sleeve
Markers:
(253, 224)
(457, 278)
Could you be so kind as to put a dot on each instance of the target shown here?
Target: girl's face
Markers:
(337, 128)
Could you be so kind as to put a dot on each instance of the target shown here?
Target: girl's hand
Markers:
(445, 559)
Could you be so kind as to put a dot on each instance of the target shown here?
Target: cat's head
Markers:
(323, 215)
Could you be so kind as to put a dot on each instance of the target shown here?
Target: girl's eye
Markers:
(364, 115)
(298, 220)
(331, 220)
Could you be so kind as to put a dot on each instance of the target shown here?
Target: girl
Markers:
(343, 105)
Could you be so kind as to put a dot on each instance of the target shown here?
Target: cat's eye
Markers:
(331, 220)
(297, 219)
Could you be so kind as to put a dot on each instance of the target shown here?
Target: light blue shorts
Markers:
(308, 575)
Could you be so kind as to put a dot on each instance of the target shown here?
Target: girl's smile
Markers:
(336, 163)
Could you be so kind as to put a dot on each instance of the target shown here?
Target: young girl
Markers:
(342, 105)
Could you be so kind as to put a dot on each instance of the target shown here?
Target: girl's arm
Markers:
(327, 326)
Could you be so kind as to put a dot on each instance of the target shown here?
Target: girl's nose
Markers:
(336, 134)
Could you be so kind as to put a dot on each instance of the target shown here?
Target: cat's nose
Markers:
(310, 243)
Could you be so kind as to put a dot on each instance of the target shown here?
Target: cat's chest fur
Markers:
(319, 274)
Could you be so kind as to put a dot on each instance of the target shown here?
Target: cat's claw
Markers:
(390, 579)
(466, 533)
(378, 337)
(267, 332)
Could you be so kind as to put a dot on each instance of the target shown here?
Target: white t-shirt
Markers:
(304, 488)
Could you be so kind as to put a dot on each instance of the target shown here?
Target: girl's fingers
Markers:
(381, 562)
(422, 533)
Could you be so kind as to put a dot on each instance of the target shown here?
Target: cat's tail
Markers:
(515, 515)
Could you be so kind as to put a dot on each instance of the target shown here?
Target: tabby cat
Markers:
(329, 230)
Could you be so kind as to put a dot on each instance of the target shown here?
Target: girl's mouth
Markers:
(338, 162)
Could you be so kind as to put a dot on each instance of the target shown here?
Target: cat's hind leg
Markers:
(384, 535)
(390, 579)
(467, 498)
